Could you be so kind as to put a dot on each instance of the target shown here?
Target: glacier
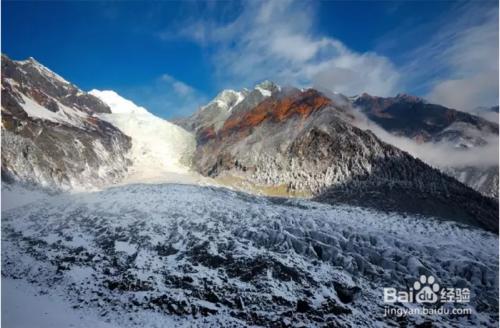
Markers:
(160, 152)
(176, 255)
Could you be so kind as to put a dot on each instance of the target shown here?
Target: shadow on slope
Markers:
(388, 188)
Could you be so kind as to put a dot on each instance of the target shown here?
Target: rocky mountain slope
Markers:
(303, 143)
(210, 118)
(447, 129)
(412, 117)
(52, 135)
(481, 178)
(189, 256)
(73, 140)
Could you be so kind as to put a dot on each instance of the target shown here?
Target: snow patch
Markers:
(125, 247)
(265, 93)
(22, 306)
(117, 103)
(226, 100)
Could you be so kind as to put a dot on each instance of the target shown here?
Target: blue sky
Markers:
(174, 56)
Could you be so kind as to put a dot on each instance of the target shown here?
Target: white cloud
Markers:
(442, 154)
(178, 86)
(352, 73)
(460, 60)
(468, 93)
(276, 40)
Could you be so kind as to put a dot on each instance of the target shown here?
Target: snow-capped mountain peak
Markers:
(267, 88)
(226, 100)
(211, 117)
(117, 103)
(65, 144)
(409, 98)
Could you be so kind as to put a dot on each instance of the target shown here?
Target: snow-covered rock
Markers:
(51, 133)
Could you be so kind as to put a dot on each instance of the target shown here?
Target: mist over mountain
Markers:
(460, 144)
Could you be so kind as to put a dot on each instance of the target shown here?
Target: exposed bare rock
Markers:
(51, 135)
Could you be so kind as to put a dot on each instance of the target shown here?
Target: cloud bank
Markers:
(442, 154)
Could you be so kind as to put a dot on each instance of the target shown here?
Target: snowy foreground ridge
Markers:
(178, 255)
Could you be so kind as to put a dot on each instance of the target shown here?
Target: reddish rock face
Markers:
(301, 104)
(302, 142)
(412, 117)
(377, 105)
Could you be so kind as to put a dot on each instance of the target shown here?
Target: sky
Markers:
(174, 56)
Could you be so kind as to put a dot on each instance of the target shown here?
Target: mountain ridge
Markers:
(271, 140)
(51, 134)
(450, 130)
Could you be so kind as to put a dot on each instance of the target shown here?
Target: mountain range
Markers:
(272, 206)
(269, 140)
(300, 142)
